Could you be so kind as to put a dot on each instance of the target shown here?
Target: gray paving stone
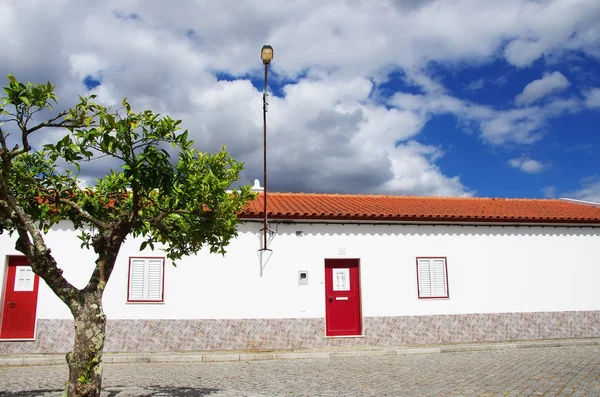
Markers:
(550, 371)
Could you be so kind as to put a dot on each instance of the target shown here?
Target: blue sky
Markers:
(432, 97)
(568, 148)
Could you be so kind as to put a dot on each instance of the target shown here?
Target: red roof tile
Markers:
(348, 207)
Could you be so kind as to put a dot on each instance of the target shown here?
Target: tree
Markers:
(179, 201)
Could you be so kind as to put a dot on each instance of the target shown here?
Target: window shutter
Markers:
(136, 279)
(146, 279)
(432, 277)
(439, 277)
(155, 279)
(424, 277)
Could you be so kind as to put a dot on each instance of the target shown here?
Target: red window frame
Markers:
(162, 281)
(446, 274)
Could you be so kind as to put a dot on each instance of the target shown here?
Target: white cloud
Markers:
(326, 131)
(527, 165)
(521, 126)
(475, 85)
(498, 127)
(552, 28)
(538, 89)
(416, 174)
(86, 64)
(589, 190)
(592, 98)
(549, 192)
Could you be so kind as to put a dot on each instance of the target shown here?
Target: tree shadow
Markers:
(148, 391)
(162, 391)
(32, 393)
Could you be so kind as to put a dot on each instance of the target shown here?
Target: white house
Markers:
(344, 270)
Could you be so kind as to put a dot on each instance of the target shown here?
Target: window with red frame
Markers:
(146, 279)
(432, 278)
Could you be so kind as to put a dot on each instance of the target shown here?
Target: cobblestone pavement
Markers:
(560, 371)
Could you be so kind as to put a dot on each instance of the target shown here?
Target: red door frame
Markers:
(25, 322)
(343, 308)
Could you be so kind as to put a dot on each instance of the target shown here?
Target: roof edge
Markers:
(582, 202)
(430, 221)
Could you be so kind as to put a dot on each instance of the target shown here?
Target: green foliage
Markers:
(159, 187)
(28, 96)
(86, 375)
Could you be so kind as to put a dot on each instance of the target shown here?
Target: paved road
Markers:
(561, 371)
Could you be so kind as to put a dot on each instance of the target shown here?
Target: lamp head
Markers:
(266, 54)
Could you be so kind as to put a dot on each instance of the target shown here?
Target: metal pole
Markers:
(265, 230)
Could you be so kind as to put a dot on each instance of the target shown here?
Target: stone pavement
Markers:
(572, 368)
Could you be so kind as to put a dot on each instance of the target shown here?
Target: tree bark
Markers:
(85, 361)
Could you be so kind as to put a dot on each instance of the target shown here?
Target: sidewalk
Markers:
(222, 356)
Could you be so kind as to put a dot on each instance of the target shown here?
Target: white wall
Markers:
(490, 269)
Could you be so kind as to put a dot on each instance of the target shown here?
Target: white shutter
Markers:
(424, 277)
(432, 277)
(146, 279)
(439, 277)
(136, 279)
(155, 279)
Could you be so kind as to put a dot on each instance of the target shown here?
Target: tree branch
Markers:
(47, 123)
(84, 214)
(44, 265)
(3, 141)
(158, 224)
(158, 218)
(107, 247)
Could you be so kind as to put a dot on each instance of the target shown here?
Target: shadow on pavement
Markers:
(162, 391)
(149, 391)
(31, 393)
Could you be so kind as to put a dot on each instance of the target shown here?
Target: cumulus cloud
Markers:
(527, 165)
(589, 190)
(199, 61)
(553, 28)
(592, 98)
(498, 127)
(415, 173)
(538, 89)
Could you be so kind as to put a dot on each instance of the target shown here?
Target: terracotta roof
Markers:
(348, 207)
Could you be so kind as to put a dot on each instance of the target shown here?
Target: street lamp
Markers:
(266, 54)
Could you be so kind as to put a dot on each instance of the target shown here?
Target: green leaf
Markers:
(111, 121)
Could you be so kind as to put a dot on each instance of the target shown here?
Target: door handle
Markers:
(331, 299)
(11, 305)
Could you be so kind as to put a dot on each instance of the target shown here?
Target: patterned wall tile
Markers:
(266, 334)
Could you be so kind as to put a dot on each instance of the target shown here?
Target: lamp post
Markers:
(266, 54)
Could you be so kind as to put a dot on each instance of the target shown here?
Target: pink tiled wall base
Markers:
(54, 336)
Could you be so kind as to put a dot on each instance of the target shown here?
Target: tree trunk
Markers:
(85, 361)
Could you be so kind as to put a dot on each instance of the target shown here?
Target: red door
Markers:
(342, 297)
(20, 300)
